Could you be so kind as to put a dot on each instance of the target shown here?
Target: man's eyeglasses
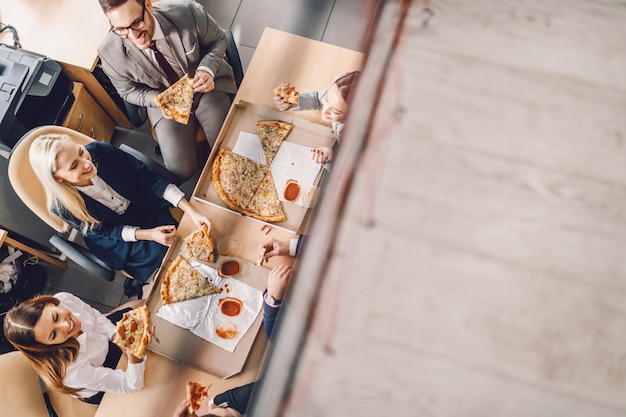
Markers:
(137, 25)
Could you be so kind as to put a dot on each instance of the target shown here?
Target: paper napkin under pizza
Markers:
(202, 316)
(292, 162)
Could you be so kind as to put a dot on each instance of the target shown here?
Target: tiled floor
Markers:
(340, 22)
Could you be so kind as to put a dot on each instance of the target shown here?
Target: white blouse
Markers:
(87, 371)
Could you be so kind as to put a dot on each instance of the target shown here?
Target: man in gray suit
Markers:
(183, 34)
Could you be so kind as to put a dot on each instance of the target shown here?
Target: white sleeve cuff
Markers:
(135, 374)
(128, 233)
(173, 194)
(293, 247)
(207, 69)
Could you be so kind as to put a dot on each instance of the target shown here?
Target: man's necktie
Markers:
(171, 75)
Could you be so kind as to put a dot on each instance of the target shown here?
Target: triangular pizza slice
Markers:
(266, 205)
(271, 133)
(199, 245)
(177, 100)
(236, 178)
(197, 392)
(182, 282)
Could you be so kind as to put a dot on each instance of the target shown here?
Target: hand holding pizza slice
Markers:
(285, 99)
(133, 332)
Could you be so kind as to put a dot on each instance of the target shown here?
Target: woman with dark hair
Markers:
(332, 101)
(68, 342)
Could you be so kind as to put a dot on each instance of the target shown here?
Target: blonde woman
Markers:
(119, 205)
(68, 342)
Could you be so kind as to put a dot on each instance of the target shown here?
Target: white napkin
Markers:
(249, 145)
(292, 162)
(202, 315)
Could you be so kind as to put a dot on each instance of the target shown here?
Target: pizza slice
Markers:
(199, 245)
(132, 331)
(271, 133)
(236, 178)
(182, 282)
(197, 392)
(266, 205)
(287, 92)
(177, 100)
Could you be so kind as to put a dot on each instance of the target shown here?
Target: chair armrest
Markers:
(160, 169)
(81, 256)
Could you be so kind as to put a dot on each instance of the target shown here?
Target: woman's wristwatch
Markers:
(271, 301)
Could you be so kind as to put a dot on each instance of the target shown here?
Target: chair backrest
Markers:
(23, 178)
(67, 406)
(21, 394)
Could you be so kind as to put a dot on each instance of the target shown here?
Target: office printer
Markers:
(34, 91)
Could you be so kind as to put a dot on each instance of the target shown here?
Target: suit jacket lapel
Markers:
(140, 58)
(174, 41)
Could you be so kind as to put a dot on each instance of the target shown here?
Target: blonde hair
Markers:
(50, 361)
(60, 196)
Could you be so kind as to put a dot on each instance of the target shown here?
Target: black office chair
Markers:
(138, 114)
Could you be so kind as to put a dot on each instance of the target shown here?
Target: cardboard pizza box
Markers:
(182, 345)
(242, 118)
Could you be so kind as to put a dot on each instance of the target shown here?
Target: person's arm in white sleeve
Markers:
(107, 379)
(173, 195)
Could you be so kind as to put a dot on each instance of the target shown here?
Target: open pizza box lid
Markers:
(242, 118)
(182, 345)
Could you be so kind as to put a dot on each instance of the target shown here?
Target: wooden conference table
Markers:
(279, 56)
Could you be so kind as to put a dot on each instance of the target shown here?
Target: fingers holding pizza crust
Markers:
(134, 332)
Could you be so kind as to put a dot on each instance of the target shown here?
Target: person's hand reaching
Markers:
(273, 247)
(322, 154)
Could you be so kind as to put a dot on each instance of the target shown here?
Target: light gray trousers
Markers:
(178, 141)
